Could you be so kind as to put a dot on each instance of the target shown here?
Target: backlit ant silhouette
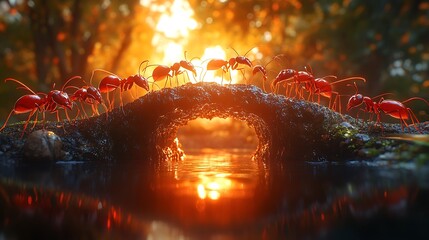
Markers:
(226, 66)
(263, 71)
(162, 71)
(390, 107)
(42, 102)
(297, 77)
(113, 82)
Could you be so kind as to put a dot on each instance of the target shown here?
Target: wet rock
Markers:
(42, 146)
(363, 137)
(288, 129)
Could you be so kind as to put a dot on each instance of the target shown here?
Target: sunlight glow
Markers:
(172, 29)
(212, 187)
(173, 52)
(216, 52)
(172, 32)
(178, 22)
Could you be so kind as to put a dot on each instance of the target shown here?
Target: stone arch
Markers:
(166, 129)
(286, 128)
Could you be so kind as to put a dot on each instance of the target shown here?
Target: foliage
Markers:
(384, 41)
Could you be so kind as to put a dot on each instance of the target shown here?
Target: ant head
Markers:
(61, 98)
(243, 60)
(94, 93)
(188, 66)
(259, 68)
(355, 101)
(140, 81)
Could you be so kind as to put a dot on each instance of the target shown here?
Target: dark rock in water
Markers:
(146, 128)
(43, 145)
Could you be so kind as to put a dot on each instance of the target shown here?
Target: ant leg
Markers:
(203, 76)
(67, 114)
(339, 102)
(263, 85)
(332, 105)
(94, 109)
(130, 91)
(108, 102)
(121, 103)
(7, 119)
(292, 87)
(44, 119)
(184, 77)
(242, 73)
(77, 114)
(26, 122)
(35, 121)
(83, 109)
(379, 122)
(230, 77)
(412, 115)
(62, 122)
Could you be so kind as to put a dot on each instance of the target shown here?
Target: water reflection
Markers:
(214, 193)
(212, 188)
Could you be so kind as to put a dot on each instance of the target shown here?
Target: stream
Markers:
(214, 193)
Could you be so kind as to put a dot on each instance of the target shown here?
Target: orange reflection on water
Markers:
(212, 187)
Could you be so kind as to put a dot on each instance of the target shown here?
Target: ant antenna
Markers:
(145, 61)
(101, 70)
(245, 53)
(20, 83)
(70, 79)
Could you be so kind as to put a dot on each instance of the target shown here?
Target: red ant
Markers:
(162, 71)
(56, 98)
(263, 70)
(90, 95)
(233, 64)
(390, 107)
(113, 82)
(297, 77)
(321, 87)
(33, 102)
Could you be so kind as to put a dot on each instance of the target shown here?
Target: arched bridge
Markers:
(286, 128)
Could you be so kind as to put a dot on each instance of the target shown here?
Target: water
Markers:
(214, 193)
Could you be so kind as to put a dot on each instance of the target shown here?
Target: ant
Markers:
(232, 64)
(390, 107)
(162, 71)
(113, 82)
(321, 87)
(42, 102)
(263, 71)
(90, 95)
(297, 77)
